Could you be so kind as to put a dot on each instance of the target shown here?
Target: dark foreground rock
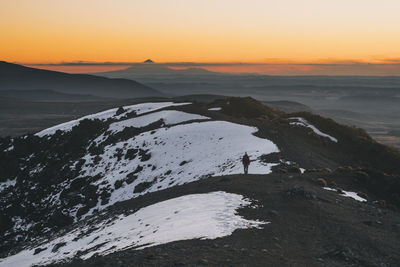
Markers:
(309, 226)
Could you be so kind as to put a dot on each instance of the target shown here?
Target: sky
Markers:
(251, 31)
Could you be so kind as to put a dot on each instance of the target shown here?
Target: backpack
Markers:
(246, 160)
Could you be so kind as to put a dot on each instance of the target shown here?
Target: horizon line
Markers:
(326, 62)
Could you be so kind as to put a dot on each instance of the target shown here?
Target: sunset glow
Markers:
(257, 31)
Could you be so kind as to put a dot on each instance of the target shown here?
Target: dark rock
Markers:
(90, 191)
(58, 246)
(83, 210)
(273, 212)
(282, 170)
(203, 261)
(300, 192)
(183, 163)
(59, 219)
(131, 154)
(130, 178)
(362, 177)
(339, 190)
(293, 169)
(96, 159)
(344, 169)
(150, 256)
(78, 184)
(105, 197)
(322, 182)
(274, 157)
(246, 107)
(120, 110)
(332, 184)
(369, 223)
(5, 223)
(142, 186)
(144, 155)
(73, 194)
(118, 184)
(323, 170)
(38, 250)
(139, 168)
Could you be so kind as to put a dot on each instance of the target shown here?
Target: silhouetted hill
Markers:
(17, 77)
(46, 95)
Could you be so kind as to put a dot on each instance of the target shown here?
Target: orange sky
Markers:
(49, 31)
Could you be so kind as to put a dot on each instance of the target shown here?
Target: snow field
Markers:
(169, 117)
(107, 114)
(180, 154)
(203, 216)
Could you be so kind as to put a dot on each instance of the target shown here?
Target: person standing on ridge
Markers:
(246, 163)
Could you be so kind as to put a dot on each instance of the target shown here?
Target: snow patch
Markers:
(204, 216)
(107, 114)
(37, 169)
(168, 116)
(303, 122)
(353, 195)
(7, 183)
(9, 149)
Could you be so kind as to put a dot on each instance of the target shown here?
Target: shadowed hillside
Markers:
(17, 77)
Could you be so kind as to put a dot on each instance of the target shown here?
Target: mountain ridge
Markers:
(102, 166)
(18, 77)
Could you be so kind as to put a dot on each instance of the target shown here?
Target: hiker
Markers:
(246, 162)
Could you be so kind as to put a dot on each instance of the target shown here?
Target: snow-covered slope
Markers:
(204, 216)
(108, 183)
(166, 156)
(176, 155)
(107, 114)
(119, 154)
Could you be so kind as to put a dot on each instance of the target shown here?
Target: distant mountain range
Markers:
(151, 69)
(17, 77)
